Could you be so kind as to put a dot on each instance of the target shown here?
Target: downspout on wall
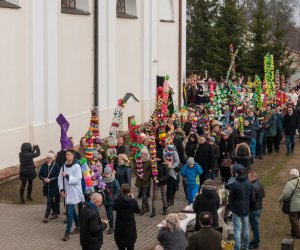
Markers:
(96, 54)
(180, 56)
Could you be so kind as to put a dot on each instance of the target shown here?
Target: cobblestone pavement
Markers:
(21, 227)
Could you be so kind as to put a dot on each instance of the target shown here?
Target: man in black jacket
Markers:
(290, 124)
(91, 225)
(205, 158)
(258, 194)
(239, 201)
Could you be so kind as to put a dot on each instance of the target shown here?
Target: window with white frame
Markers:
(77, 7)
(12, 4)
(166, 11)
(126, 9)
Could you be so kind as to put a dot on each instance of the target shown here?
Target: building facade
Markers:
(65, 56)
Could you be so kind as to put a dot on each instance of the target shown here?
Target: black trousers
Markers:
(171, 188)
(124, 248)
(53, 204)
(270, 142)
(29, 188)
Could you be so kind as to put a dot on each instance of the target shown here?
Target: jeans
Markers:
(110, 215)
(254, 222)
(124, 175)
(240, 227)
(290, 143)
(71, 215)
(191, 194)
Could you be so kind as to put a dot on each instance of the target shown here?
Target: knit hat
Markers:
(294, 172)
(190, 161)
(212, 139)
(144, 150)
(226, 132)
(95, 153)
(107, 171)
(50, 155)
(209, 184)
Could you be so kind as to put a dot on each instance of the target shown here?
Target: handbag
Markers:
(287, 202)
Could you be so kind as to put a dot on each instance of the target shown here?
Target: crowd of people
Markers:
(210, 138)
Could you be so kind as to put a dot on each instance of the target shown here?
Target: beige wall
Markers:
(14, 100)
(168, 50)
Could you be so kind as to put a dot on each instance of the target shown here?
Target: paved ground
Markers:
(21, 227)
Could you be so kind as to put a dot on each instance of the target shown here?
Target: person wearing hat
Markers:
(292, 191)
(269, 125)
(111, 192)
(191, 171)
(207, 200)
(49, 173)
(290, 124)
(123, 170)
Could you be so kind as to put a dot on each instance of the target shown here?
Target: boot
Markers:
(22, 201)
(66, 237)
(29, 198)
(45, 220)
(142, 211)
(153, 213)
(165, 212)
(147, 208)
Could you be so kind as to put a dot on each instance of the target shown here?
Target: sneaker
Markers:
(76, 230)
(66, 237)
(110, 231)
(53, 216)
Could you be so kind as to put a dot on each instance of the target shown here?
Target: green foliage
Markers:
(212, 27)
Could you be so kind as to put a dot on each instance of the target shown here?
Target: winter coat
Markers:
(243, 156)
(270, 126)
(190, 148)
(175, 164)
(50, 189)
(216, 156)
(27, 168)
(91, 227)
(226, 148)
(254, 123)
(111, 192)
(179, 148)
(240, 196)
(290, 124)
(171, 240)
(125, 226)
(71, 185)
(191, 174)
(257, 195)
(208, 200)
(163, 173)
(146, 181)
(205, 157)
(206, 239)
(279, 123)
(287, 193)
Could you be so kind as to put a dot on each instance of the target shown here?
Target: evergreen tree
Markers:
(201, 18)
(260, 33)
(230, 29)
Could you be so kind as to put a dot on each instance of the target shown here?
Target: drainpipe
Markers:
(180, 55)
(96, 79)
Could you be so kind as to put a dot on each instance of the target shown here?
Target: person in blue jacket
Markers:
(191, 171)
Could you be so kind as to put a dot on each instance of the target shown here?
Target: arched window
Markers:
(121, 7)
(126, 9)
(68, 4)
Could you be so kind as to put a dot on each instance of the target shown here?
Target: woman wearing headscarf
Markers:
(171, 236)
(27, 168)
(49, 173)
